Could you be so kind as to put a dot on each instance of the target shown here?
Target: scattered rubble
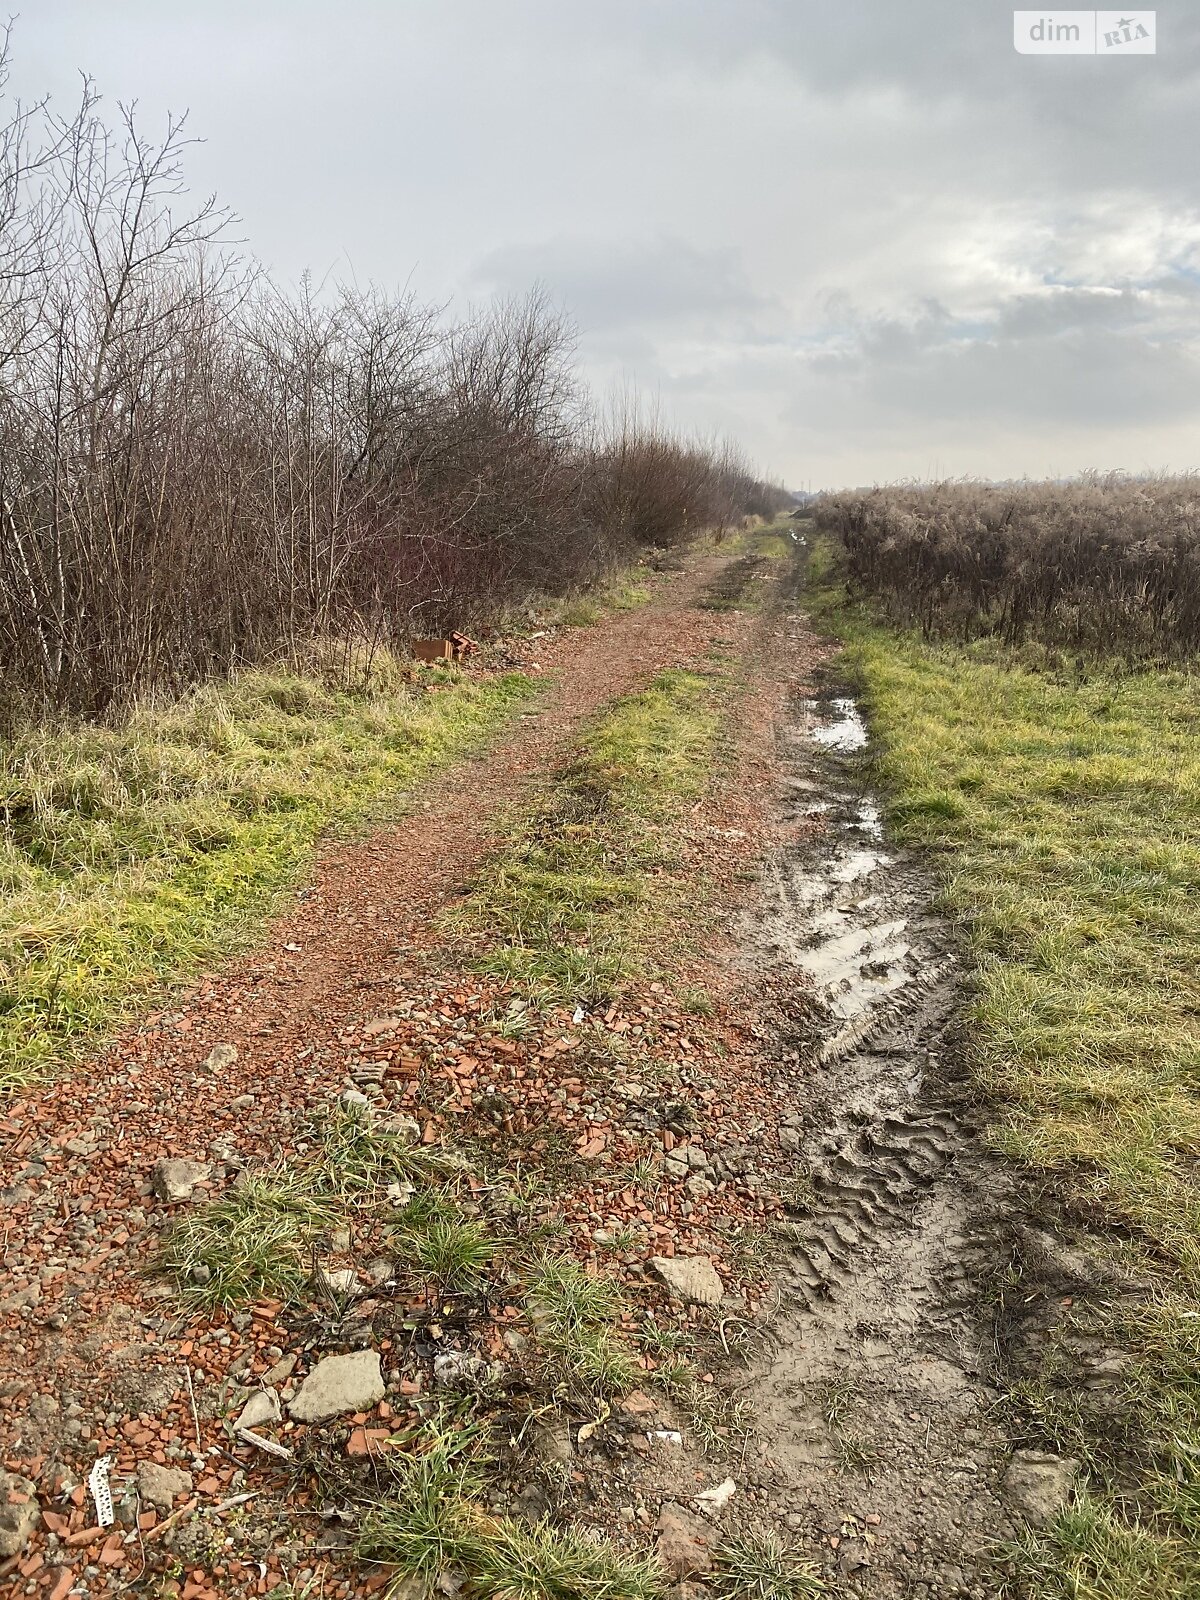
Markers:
(262, 1409)
(684, 1544)
(19, 1513)
(161, 1486)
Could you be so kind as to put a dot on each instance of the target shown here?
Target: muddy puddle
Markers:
(876, 1441)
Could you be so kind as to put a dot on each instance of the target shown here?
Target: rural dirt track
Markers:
(873, 1398)
(828, 1101)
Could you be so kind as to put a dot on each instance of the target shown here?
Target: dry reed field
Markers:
(1106, 562)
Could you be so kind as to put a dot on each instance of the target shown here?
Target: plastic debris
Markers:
(101, 1493)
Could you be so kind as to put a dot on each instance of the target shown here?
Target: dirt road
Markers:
(807, 1133)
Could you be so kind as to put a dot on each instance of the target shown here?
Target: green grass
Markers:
(258, 1237)
(1062, 804)
(436, 1241)
(624, 590)
(133, 853)
(582, 878)
(254, 1241)
(430, 1524)
(757, 1566)
(573, 1313)
(1096, 1555)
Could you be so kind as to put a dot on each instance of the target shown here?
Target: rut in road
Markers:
(876, 1434)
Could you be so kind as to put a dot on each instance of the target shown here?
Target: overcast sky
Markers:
(868, 240)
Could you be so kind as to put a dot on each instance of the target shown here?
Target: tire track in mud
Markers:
(877, 1434)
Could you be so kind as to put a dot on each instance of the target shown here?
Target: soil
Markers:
(824, 1098)
(875, 1409)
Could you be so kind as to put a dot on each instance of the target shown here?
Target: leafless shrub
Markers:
(198, 471)
(1106, 562)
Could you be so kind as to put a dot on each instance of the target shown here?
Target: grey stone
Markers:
(1039, 1486)
(407, 1128)
(173, 1180)
(552, 1441)
(18, 1519)
(158, 1485)
(696, 1156)
(260, 1410)
(282, 1370)
(699, 1186)
(28, 1296)
(339, 1384)
(690, 1278)
(684, 1547)
(355, 1103)
(342, 1280)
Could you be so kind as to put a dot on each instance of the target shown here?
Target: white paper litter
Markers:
(713, 1500)
(101, 1493)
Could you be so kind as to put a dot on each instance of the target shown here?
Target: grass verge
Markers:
(1063, 803)
(136, 852)
(567, 904)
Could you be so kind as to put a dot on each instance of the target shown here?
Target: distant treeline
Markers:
(199, 470)
(1107, 563)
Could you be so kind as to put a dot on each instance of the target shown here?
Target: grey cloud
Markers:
(868, 238)
(626, 284)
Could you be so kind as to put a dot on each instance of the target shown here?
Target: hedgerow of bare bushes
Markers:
(1106, 563)
(199, 470)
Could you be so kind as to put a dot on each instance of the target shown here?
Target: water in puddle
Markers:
(855, 864)
(869, 819)
(847, 732)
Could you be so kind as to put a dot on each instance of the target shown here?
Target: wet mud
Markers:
(878, 1438)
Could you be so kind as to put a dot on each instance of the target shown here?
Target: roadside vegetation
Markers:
(1105, 563)
(225, 511)
(202, 470)
(134, 851)
(1060, 797)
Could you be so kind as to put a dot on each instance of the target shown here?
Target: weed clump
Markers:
(429, 1526)
(574, 1312)
(757, 1566)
